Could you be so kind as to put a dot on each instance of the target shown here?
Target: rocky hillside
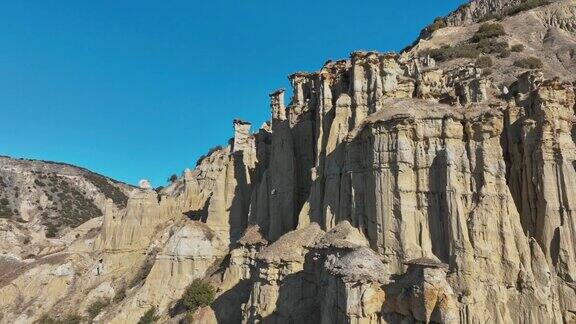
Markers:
(434, 185)
(42, 202)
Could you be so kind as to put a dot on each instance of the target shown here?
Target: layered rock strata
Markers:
(392, 188)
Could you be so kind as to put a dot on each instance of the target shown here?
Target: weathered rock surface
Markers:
(393, 188)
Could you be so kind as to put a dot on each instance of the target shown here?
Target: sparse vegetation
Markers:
(68, 205)
(491, 46)
(438, 23)
(483, 42)
(172, 178)
(210, 152)
(149, 317)
(45, 319)
(73, 319)
(484, 62)
(5, 210)
(51, 230)
(517, 48)
(120, 294)
(214, 149)
(491, 16)
(68, 319)
(487, 31)
(486, 72)
(109, 190)
(447, 53)
(198, 294)
(97, 306)
(505, 53)
(529, 63)
(463, 6)
(524, 6)
(72, 206)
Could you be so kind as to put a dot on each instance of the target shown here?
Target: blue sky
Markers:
(141, 89)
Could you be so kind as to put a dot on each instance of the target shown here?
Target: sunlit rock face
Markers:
(391, 188)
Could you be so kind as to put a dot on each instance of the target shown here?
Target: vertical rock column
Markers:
(243, 162)
(554, 172)
(301, 114)
(281, 172)
(335, 159)
(243, 141)
(366, 87)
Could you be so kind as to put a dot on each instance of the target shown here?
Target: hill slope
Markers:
(435, 185)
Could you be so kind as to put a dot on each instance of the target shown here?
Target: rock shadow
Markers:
(228, 306)
(200, 215)
(297, 300)
(438, 206)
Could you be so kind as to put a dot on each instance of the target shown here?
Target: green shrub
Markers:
(488, 30)
(4, 201)
(214, 149)
(51, 230)
(465, 51)
(199, 293)
(210, 152)
(45, 319)
(68, 319)
(200, 159)
(438, 23)
(72, 319)
(505, 53)
(120, 294)
(447, 53)
(149, 317)
(484, 62)
(529, 63)
(491, 46)
(97, 306)
(5, 212)
(517, 48)
(172, 178)
(77, 209)
(485, 46)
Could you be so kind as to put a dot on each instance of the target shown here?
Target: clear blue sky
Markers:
(140, 89)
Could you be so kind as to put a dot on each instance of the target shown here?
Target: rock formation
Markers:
(434, 185)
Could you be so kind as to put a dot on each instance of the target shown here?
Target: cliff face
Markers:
(426, 186)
